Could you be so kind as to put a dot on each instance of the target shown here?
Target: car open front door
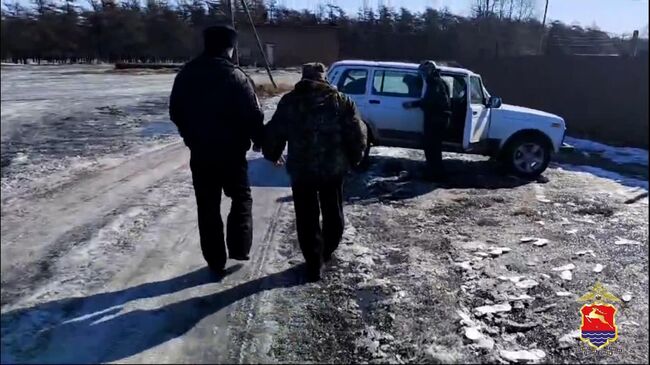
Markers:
(389, 90)
(479, 119)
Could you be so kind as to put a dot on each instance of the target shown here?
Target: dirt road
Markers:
(101, 261)
(105, 272)
(100, 258)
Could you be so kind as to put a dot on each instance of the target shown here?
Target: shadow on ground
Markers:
(92, 329)
(396, 178)
(264, 173)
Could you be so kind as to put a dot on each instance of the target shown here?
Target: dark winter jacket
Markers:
(436, 100)
(322, 126)
(214, 106)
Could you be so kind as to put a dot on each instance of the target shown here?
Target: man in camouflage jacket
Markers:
(214, 106)
(326, 137)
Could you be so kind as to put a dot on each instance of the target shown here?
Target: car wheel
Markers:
(527, 156)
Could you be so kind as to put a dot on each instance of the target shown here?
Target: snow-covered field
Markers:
(101, 262)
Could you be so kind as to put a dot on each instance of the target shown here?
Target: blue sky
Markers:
(616, 16)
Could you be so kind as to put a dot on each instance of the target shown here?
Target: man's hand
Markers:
(279, 162)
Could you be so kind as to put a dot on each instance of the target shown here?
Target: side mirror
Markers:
(494, 102)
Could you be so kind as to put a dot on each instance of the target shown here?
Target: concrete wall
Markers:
(293, 46)
(601, 98)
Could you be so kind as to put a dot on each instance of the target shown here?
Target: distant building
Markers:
(287, 45)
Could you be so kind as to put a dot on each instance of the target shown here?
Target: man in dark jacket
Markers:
(326, 137)
(436, 107)
(214, 106)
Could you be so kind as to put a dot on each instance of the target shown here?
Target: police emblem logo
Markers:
(598, 327)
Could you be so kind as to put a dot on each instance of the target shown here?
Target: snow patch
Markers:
(619, 155)
(606, 174)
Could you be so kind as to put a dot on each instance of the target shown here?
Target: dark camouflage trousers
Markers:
(311, 199)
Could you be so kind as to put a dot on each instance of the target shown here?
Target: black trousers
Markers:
(434, 129)
(310, 200)
(210, 177)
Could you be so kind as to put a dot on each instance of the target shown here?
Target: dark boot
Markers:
(313, 272)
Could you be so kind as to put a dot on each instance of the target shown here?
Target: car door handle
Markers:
(374, 102)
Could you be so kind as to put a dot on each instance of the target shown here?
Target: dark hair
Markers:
(218, 38)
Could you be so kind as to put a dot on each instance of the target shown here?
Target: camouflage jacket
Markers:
(325, 134)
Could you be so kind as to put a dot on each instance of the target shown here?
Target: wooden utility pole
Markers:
(541, 37)
(635, 43)
(259, 43)
(231, 5)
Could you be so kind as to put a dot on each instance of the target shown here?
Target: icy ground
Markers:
(621, 155)
(101, 263)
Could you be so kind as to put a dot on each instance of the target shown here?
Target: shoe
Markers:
(313, 273)
(327, 257)
(218, 270)
(239, 257)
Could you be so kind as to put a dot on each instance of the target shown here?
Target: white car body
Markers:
(486, 127)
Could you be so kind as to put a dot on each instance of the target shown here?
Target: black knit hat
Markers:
(218, 38)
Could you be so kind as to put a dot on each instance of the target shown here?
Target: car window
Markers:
(476, 90)
(397, 83)
(457, 86)
(353, 81)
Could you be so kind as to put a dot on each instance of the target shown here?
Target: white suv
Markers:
(524, 139)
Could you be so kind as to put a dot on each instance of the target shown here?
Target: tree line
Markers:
(162, 30)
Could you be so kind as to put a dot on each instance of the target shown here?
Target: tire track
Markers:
(36, 239)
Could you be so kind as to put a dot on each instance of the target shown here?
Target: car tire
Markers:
(527, 156)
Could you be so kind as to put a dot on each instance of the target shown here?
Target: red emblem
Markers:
(598, 324)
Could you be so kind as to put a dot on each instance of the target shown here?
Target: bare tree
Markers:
(525, 9)
(481, 8)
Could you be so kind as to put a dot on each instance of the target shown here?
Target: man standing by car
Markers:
(436, 107)
(326, 137)
(214, 106)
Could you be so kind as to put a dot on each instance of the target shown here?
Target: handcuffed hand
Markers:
(279, 162)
